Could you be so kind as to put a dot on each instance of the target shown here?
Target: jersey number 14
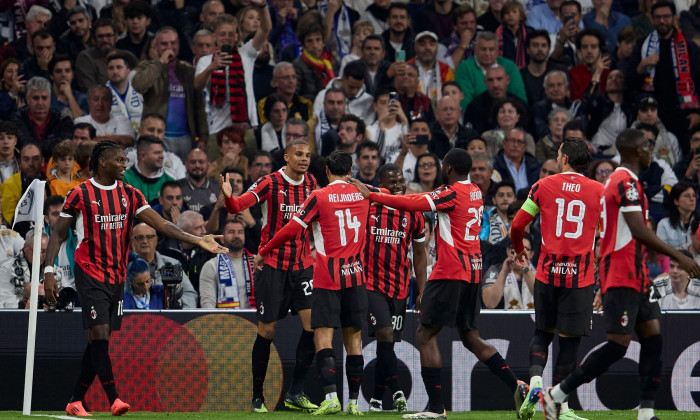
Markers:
(352, 224)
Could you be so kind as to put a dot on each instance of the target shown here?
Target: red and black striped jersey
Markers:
(570, 207)
(337, 215)
(622, 257)
(390, 233)
(459, 209)
(281, 198)
(105, 215)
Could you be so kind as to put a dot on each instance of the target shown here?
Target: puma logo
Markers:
(96, 202)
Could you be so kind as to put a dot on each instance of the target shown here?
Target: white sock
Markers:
(645, 414)
(558, 395)
(535, 380)
(351, 401)
(564, 407)
(331, 395)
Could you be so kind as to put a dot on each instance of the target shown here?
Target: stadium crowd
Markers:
(193, 90)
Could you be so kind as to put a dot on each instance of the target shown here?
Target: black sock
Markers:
(595, 365)
(433, 386)
(566, 360)
(650, 368)
(260, 359)
(87, 375)
(103, 366)
(498, 367)
(539, 352)
(325, 362)
(354, 365)
(305, 357)
(379, 377)
(391, 378)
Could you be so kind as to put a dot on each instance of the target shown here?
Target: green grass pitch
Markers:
(472, 415)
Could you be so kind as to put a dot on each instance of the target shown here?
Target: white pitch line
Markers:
(53, 416)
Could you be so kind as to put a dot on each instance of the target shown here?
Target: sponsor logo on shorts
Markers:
(93, 312)
(624, 320)
(372, 319)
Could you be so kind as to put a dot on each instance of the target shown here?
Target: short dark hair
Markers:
(147, 141)
(257, 154)
(355, 69)
(64, 149)
(41, 33)
(418, 120)
(169, 184)
(75, 10)
(339, 163)
(460, 160)
(570, 3)
(694, 129)
(92, 132)
(505, 183)
(137, 8)
(451, 83)
(270, 101)
(576, 149)
(386, 168)
(153, 115)
(574, 125)
(591, 32)
(59, 58)
(52, 200)
(627, 34)
(694, 226)
(228, 221)
(8, 127)
(460, 11)
(100, 23)
(83, 152)
(364, 144)
(629, 138)
(373, 37)
(538, 34)
(122, 56)
(661, 4)
(649, 127)
(396, 5)
(360, 124)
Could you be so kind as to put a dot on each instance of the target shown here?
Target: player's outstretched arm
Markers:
(413, 202)
(420, 268)
(207, 242)
(235, 204)
(285, 234)
(517, 233)
(58, 235)
(642, 233)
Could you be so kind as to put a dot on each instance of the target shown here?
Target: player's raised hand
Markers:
(258, 262)
(689, 265)
(521, 260)
(208, 242)
(225, 185)
(360, 187)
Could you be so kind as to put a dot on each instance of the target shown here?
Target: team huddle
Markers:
(369, 242)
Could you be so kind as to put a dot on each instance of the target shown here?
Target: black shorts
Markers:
(569, 311)
(279, 291)
(386, 312)
(339, 308)
(624, 308)
(101, 303)
(451, 303)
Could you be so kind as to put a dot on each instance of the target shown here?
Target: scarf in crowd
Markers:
(131, 107)
(22, 275)
(434, 87)
(680, 56)
(236, 88)
(269, 140)
(228, 282)
(520, 60)
(515, 297)
(323, 66)
(322, 127)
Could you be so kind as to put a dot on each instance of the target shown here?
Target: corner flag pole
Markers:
(32, 207)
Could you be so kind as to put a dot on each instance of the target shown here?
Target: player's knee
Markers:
(267, 329)
(542, 338)
(385, 335)
(615, 351)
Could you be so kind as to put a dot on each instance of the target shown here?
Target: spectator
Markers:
(8, 146)
(83, 151)
(367, 158)
(413, 102)
(147, 175)
(478, 112)
(642, 23)
(446, 131)
(470, 73)
(453, 89)
(507, 286)
(351, 131)
(154, 125)
(427, 174)
(460, 45)
(601, 169)
(326, 123)
(407, 157)
(91, 64)
(688, 169)
(138, 17)
(83, 132)
(77, 37)
(608, 113)
(513, 163)
(477, 145)
(64, 179)
(377, 14)
(127, 103)
(495, 225)
(390, 125)
(608, 22)
(37, 18)
(592, 73)
(549, 167)
(37, 123)
(620, 58)
(270, 135)
(315, 66)
(143, 242)
(259, 164)
(667, 147)
(198, 189)
(284, 80)
(694, 247)
(339, 20)
(657, 177)
(231, 144)
(556, 95)
(680, 211)
(140, 293)
(16, 273)
(537, 46)
(43, 49)
(357, 100)
(64, 99)
(490, 19)
(432, 73)
(65, 260)
(170, 202)
(167, 86)
(11, 87)
(436, 17)
(116, 128)
(548, 146)
(547, 17)
(689, 23)
(676, 288)
(211, 10)
(202, 44)
(676, 96)
(506, 114)
(360, 31)
(399, 36)
(481, 174)
(227, 279)
(512, 33)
